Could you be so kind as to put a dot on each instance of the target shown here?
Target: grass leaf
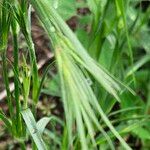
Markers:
(33, 129)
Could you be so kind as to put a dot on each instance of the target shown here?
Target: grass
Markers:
(102, 72)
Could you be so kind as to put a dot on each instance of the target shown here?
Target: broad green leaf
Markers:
(142, 133)
(67, 8)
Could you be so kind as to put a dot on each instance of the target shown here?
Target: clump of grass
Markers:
(88, 90)
(72, 77)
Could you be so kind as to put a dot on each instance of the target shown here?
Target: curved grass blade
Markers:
(33, 129)
(138, 64)
(42, 123)
(123, 130)
(43, 78)
(6, 121)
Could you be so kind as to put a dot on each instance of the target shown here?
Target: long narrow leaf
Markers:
(32, 127)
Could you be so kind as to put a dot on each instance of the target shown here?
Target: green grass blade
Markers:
(42, 123)
(137, 65)
(6, 121)
(21, 14)
(16, 82)
(120, 4)
(6, 82)
(43, 78)
(32, 127)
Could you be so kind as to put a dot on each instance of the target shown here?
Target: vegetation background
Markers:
(75, 74)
